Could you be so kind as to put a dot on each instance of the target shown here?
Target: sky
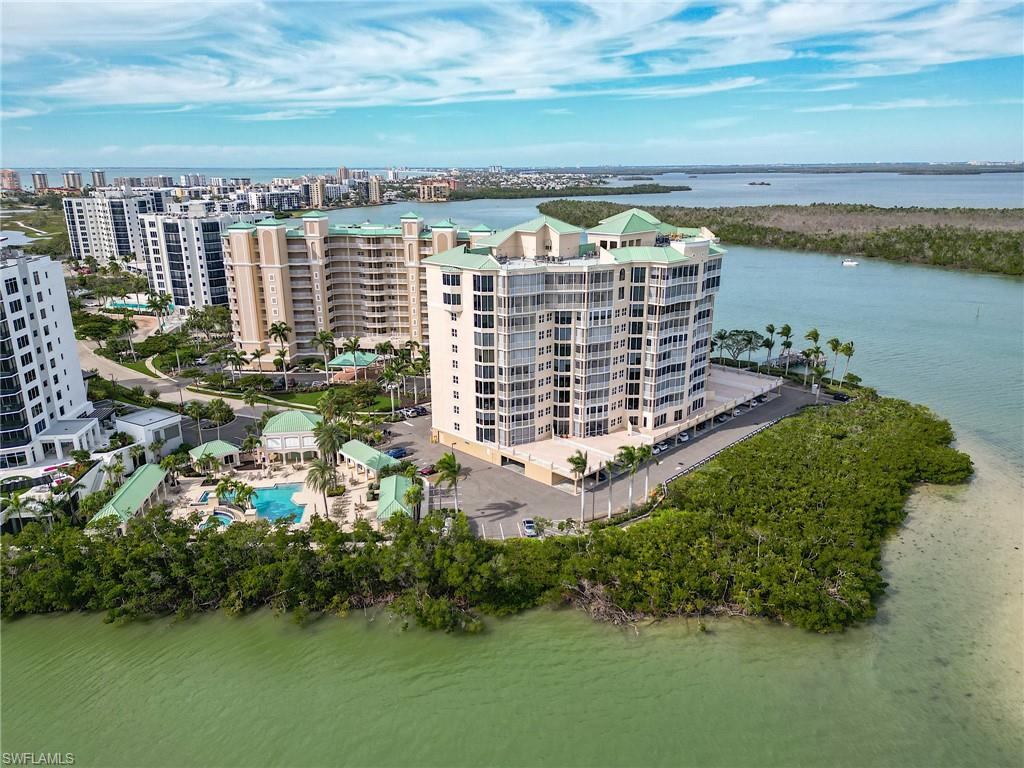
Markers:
(284, 84)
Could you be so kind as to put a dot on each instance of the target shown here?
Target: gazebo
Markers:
(366, 458)
(288, 437)
(226, 453)
(392, 497)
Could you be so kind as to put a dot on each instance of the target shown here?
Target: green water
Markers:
(935, 680)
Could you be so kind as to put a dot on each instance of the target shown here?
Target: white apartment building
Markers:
(72, 180)
(44, 403)
(274, 200)
(99, 178)
(184, 254)
(105, 225)
(545, 338)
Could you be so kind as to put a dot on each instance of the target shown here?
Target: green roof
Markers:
(216, 448)
(349, 359)
(392, 497)
(291, 421)
(369, 230)
(462, 257)
(671, 229)
(656, 253)
(480, 228)
(627, 223)
(271, 222)
(313, 215)
(443, 224)
(242, 225)
(717, 250)
(409, 215)
(132, 494)
(367, 456)
(558, 225)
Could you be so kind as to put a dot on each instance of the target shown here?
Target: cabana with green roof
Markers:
(366, 458)
(288, 437)
(392, 497)
(139, 492)
(225, 452)
(353, 360)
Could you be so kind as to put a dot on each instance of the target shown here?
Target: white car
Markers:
(683, 438)
(735, 411)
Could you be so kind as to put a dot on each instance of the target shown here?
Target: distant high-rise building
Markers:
(134, 181)
(72, 180)
(374, 195)
(156, 181)
(40, 182)
(392, 174)
(10, 180)
(343, 174)
(360, 174)
(105, 225)
(317, 190)
(192, 180)
(99, 178)
(495, 169)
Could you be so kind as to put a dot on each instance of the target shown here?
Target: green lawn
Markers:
(140, 367)
(381, 405)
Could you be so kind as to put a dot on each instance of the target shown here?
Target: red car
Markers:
(428, 470)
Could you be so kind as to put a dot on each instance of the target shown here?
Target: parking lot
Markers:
(496, 500)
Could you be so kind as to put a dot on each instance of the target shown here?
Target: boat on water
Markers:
(849, 262)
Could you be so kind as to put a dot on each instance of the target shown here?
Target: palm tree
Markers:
(250, 397)
(172, 464)
(157, 446)
(251, 444)
(448, 471)
(126, 327)
(413, 498)
(196, 410)
(786, 332)
(330, 404)
(786, 345)
(846, 351)
(220, 413)
(578, 464)
(207, 464)
(719, 339)
(626, 456)
(768, 343)
(329, 439)
(770, 330)
(325, 341)
(385, 349)
(137, 453)
(389, 377)
(235, 360)
(279, 333)
(644, 454)
(255, 356)
(812, 336)
(116, 470)
(835, 345)
(351, 346)
(808, 356)
(818, 372)
(322, 478)
(243, 494)
(157, 303)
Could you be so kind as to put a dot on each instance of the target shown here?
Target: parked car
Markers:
(762, 398)
(752, 404)
(409, 413)
(397, 453)
(702, 426)
(420, 410)
(682, 438)
(735, 411)
(842, 397)
(721, 418)
(430, 469)
(664, 445)
(529, 528)
(201, 361)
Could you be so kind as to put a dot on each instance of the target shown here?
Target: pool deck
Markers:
(353, 506)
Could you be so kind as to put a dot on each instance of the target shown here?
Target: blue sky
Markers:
(292, 84)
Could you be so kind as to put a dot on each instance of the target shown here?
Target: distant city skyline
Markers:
(264, 85)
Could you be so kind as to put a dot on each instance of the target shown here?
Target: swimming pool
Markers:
(204, 497)
(275, 503)
(218, 518)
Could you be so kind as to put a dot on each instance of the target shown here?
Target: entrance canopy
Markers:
(353, 360)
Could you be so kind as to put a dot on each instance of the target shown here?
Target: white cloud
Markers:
(887, 105)
(286, 65)
(15, 113)
(715, 123)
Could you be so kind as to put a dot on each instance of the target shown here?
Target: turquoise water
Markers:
(218, 518)
(275, 503)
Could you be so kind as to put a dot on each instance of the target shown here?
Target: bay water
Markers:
(935, 680)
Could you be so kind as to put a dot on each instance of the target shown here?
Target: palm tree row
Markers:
(737, 342)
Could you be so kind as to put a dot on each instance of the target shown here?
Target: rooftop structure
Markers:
(138, 493)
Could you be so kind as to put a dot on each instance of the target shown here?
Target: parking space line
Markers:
(502, 529)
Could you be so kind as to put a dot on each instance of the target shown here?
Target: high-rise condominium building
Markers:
(192, 180)
(542, 335)
(99, 178)
(105, 225)
(392, 174)
(72, 180)
(343, 173)
(45, 406)
(351, 280)
(317, 192)
(40, 181)
(184, 254)
(375, 194)
(10, 180)
(157, 181)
